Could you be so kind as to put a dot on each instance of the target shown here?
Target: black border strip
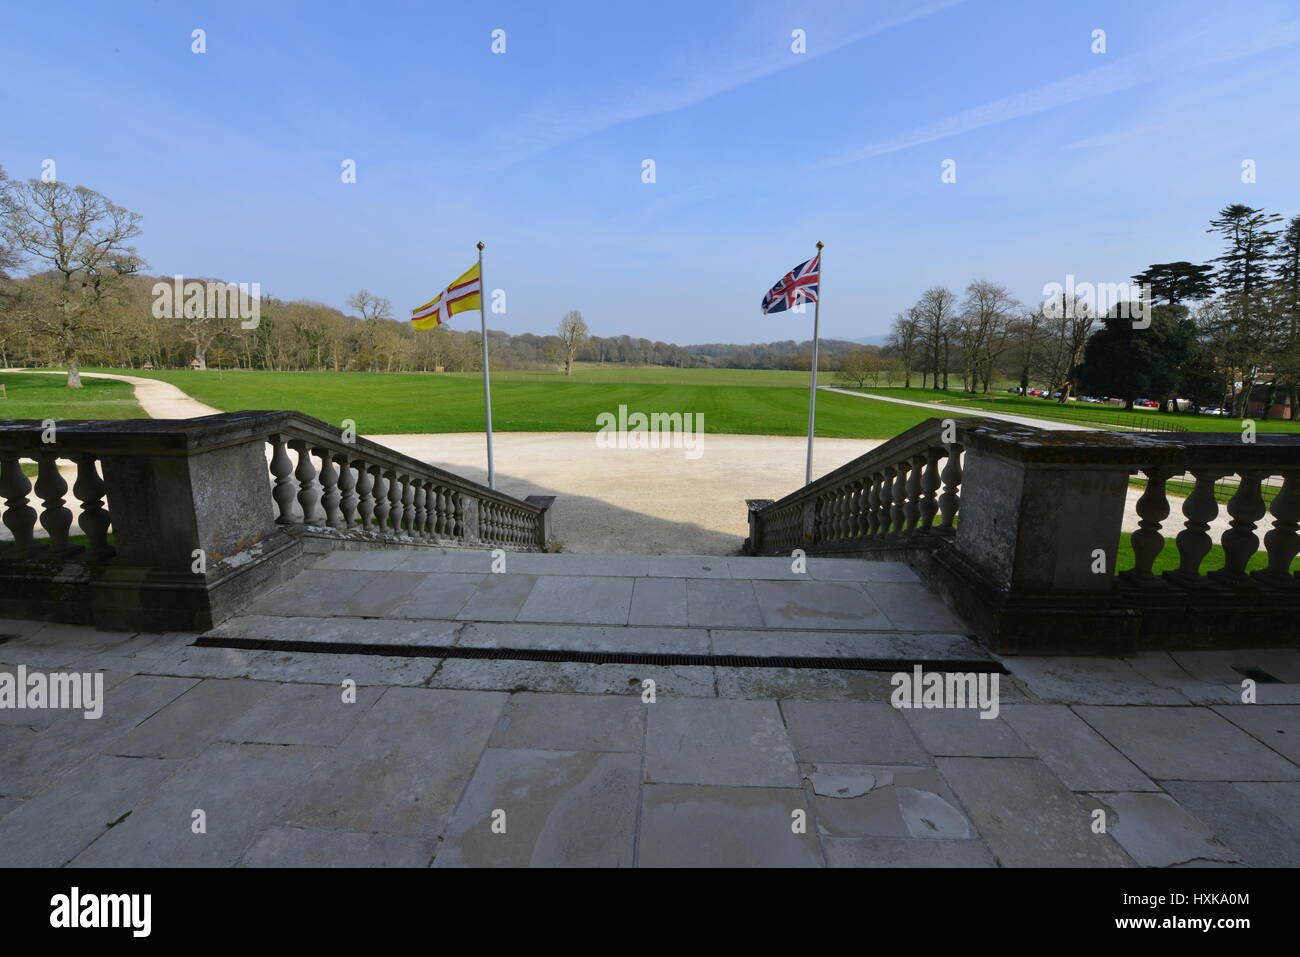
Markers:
(974, 665)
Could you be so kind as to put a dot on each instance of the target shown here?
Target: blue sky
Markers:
(1067, 161)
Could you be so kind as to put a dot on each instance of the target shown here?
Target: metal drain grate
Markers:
(977, 666)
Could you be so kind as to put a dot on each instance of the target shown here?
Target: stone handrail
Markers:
(193, 503)
(1019, 529)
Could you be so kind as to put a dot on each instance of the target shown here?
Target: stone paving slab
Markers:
(307, 714)
(1161, 669)
(498, 598)
(722, 604)
(438, 595)
(193, 721)
(1156, 832)
(38, 718)
(320, 847)
(320, 592)
(1077, 754)
(238, 787)
(1187, 744)
(402, 768)
(1279, 798)
(363, 631)
(821, 684)
(693, 826)
(875, 801)
(684, 566)
(718, 741)
(1221, 666)
(557, 808)
(1250, 828)
(895, 852)
(845, 644)
(1089, 681)
(658, 601)
(688, 681)
(572, 722)
(961, 732)
(687, 641)
(1277, 726)
(815, 604)
(50, 830)
(1027, 816)
(35, 760)
(851, 732)
(858, 570)
(911, 606)
(578, 599)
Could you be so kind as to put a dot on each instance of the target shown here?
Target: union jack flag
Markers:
(797, 286)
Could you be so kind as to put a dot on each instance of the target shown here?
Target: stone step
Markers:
(619, 566)
(398, 637)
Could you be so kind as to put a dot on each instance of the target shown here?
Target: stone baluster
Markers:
(308, 487)
(913, 507)
(348, 497)
(1152, 509)
(898, 500)
(1194, 542)
(286, 489)
(886, 496)
(395, 510)
(56, 518)
(858, 512)
(929, 487)
(408, 506)
(329, 483)
(950, 499)
(19, 517)
(365, 494)
(873, 504)
(421, 508)
(382, 505)
(1239, 540)
(1281, 541)
(95, 519)
(439, 511)
(458, 511)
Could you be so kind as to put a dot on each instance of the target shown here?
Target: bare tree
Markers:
(984, 330)
(573, 334)
(370, 306)
(936, 315)
(903, 340)
(83, 237)
(1065, 329)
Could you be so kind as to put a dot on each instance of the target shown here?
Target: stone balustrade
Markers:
(185, 519)
(1019, 530)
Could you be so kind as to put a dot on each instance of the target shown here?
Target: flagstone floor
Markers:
(473, 762)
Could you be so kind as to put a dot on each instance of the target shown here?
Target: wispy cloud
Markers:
(552, 124)
(1190, 52)
(1113, 137)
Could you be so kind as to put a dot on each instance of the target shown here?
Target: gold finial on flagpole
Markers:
(820, 245)
(480, 246)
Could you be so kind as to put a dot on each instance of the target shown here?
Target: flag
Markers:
(797, 286)
(464, 294)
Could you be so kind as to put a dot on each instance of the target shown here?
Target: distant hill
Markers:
(864, 340)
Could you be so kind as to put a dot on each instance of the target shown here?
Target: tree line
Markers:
(1215, 333)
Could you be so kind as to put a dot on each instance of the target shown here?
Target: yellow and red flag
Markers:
(464, 294)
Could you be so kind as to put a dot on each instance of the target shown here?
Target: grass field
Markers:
(1079, 411)
(750, 402)
(29, 396)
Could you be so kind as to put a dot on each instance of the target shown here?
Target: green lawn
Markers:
(544, 402)
(1081, 412)
(1167, 560)
(33, 395)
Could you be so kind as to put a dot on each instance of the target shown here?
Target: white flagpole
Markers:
(487, 388)
(812, 382)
